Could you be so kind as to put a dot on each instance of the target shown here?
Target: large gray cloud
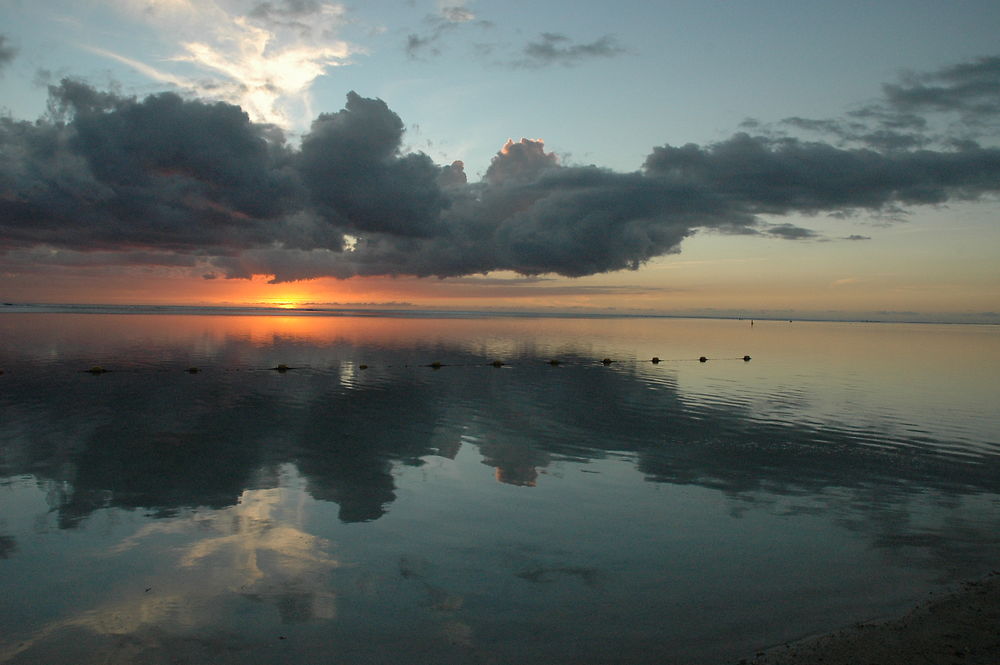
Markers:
(110, 180)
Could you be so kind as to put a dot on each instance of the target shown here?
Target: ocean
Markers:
(195, 486)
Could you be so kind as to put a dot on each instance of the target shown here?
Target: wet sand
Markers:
(959, 627)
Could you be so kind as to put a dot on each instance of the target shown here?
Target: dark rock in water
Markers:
(746, 358)
(655, 360)
(703, 359)
(607, 361)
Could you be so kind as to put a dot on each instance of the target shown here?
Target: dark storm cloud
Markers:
(164, 181)
(556, 49)
(781, 176)
(7, 53)
(357, 179)
(160, 173)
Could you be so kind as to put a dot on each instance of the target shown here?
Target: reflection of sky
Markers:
(255, 550)
(831, 454)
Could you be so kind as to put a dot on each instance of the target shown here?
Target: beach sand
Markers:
(959, 627)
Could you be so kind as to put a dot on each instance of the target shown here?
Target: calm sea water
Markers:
(676, 512)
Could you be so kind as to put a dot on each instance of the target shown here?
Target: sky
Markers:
(771, 158)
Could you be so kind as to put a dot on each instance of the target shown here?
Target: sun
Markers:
(285, 303)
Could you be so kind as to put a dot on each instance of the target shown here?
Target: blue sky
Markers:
(601, 84)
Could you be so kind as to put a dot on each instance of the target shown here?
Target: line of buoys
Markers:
(437, 364)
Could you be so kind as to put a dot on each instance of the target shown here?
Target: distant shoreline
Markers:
(402, 311)
(962, 626)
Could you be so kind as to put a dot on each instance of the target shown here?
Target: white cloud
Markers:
(263, 57)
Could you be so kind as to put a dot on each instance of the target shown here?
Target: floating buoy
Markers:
(746, 359)
(655, 360)
(362, 366)
(497, 363)
(703, 359)
(436, 365)
(192, 370)
(607, 361)
(96, 369)
(281, 368)
(554, 362)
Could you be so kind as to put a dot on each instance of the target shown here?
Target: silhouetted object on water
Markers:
(436, 365)
(96, 369)
(282, 368)
(655, 360)
(362, 366)
(746, 359)
(192, 370)
(607, 361)
(703, 359)
(554, 362)
(497, 363)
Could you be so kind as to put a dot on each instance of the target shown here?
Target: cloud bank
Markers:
(108, 180)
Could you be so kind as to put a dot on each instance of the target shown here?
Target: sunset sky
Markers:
(754, 158)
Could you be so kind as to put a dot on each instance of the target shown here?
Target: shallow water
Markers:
(680, 512)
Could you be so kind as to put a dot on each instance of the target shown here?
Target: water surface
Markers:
(364, 506)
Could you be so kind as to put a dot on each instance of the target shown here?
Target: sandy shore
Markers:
(960, 627)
